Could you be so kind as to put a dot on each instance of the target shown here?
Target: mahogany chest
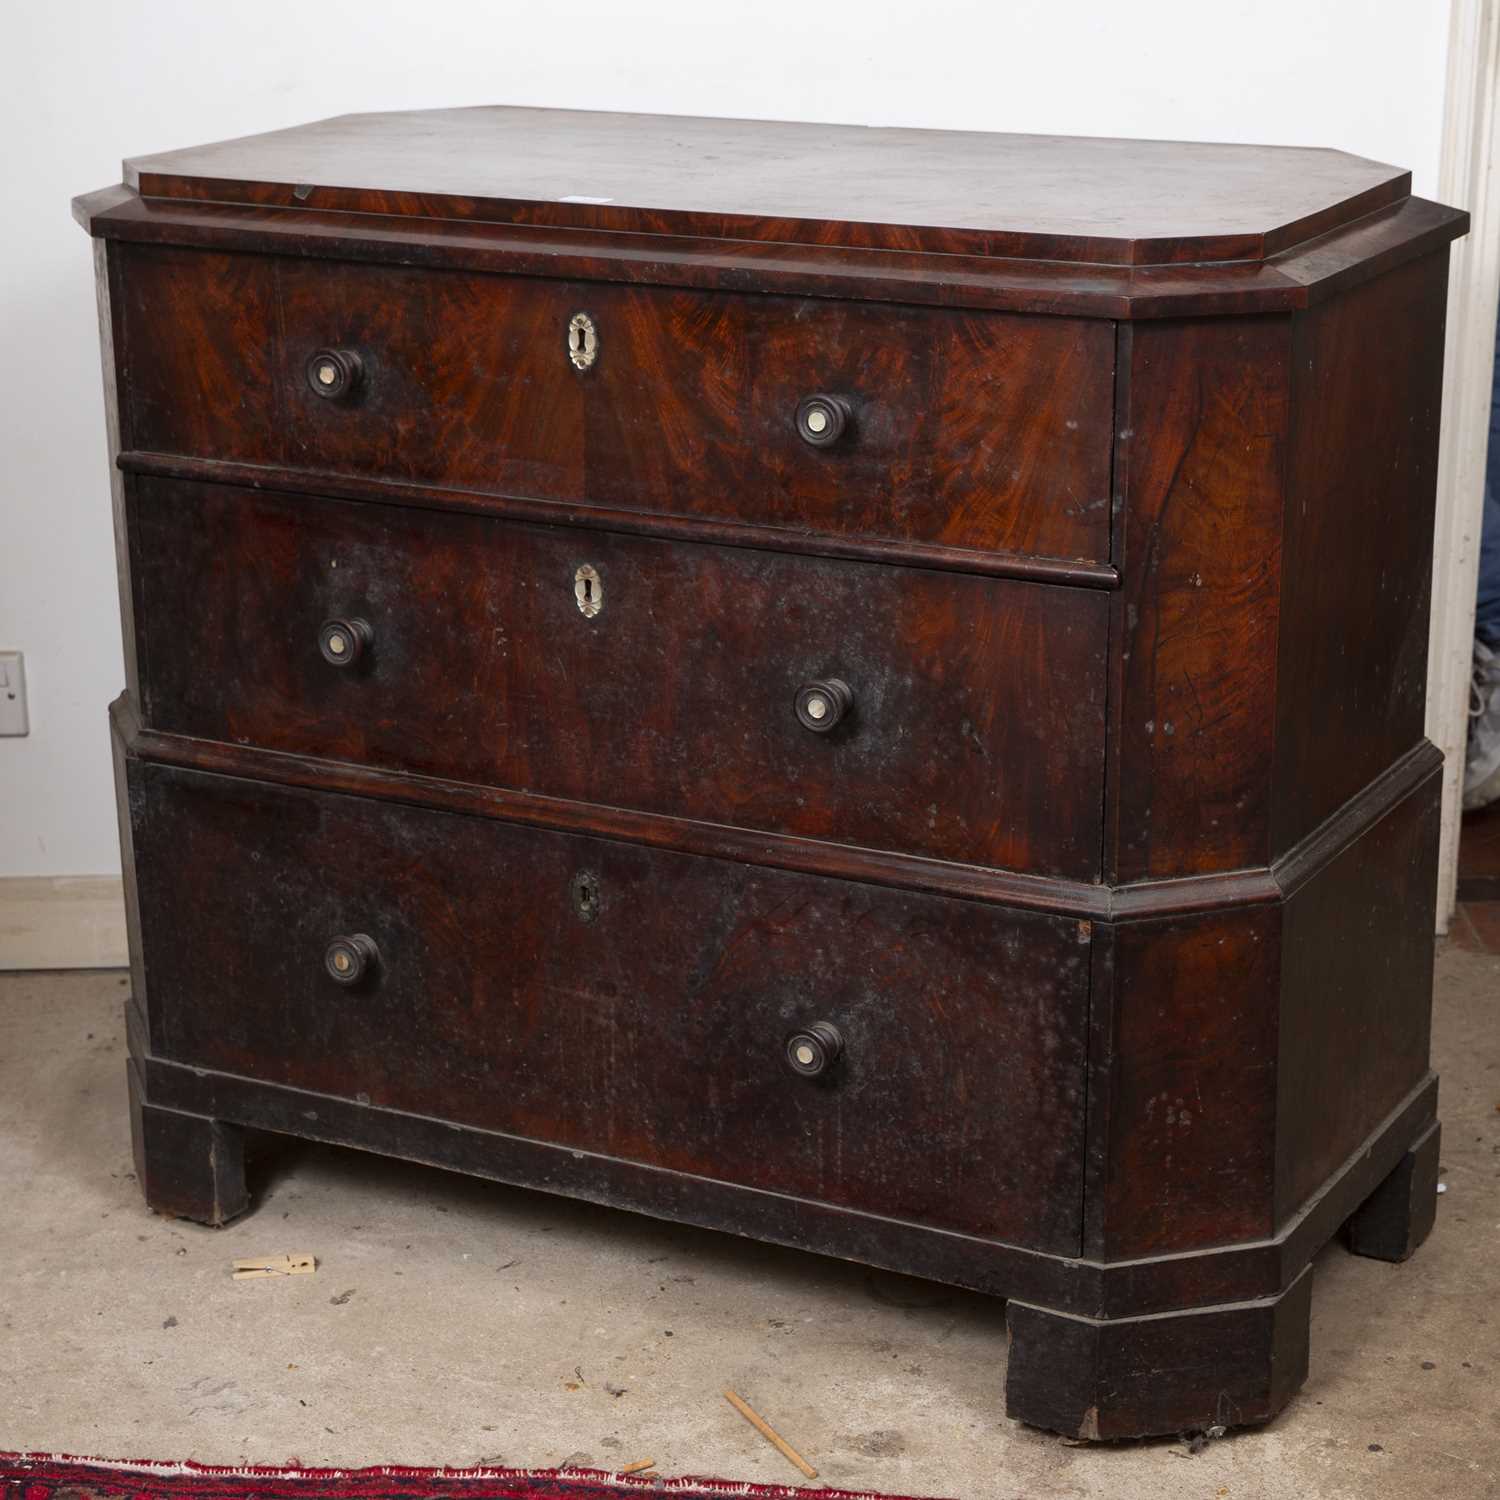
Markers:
(862, 688)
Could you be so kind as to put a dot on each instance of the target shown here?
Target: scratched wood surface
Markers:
(1116, 884)
(1071, 198)
(653, 1031)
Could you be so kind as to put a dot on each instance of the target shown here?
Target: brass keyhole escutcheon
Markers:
(588, 590)
(583, 340)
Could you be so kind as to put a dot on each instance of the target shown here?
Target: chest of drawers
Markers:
(860, 688)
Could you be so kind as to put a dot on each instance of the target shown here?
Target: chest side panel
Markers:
(1200, 473)
(1362, 479)
(1356, 1000)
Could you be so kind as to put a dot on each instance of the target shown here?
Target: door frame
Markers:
(1467, 179)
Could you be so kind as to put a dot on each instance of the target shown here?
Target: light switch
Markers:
(13, 694)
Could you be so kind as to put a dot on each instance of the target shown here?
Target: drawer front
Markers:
(649, 1021)
(983, 430)
(975, 730)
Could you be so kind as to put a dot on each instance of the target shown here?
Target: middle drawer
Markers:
(672, 678)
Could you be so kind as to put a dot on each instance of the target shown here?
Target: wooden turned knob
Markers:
(814, 1050)
(822, 704)
(350, 960)
(334, 373)
(822, 420)
(343, 642)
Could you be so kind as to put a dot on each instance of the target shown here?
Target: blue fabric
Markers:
(1487, 609)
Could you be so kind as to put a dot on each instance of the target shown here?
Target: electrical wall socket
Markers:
(13, 718)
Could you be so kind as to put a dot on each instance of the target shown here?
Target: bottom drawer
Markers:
(623, 1000)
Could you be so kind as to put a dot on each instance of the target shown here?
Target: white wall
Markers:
(85, 82)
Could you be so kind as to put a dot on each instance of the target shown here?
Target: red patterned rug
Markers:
(40, 1476)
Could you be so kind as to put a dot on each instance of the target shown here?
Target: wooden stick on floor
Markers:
(770, 1434)
(638, 1465)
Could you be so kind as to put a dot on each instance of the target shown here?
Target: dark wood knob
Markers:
(821, 705)
(343, 642)
(814, 1050)
(351, 960)
(334, 373)
(822, 420)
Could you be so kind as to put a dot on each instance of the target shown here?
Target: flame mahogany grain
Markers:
(983, 431)
(676, 698)
(1117, 885)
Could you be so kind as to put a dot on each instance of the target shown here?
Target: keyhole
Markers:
(588, 590)
(583, 340)
(585, 890)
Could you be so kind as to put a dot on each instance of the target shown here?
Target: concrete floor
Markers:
(457, 1322)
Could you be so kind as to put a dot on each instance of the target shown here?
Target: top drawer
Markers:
(988, 431)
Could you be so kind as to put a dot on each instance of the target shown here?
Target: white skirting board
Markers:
(63, 922)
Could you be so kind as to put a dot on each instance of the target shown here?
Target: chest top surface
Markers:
(1089, 201)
